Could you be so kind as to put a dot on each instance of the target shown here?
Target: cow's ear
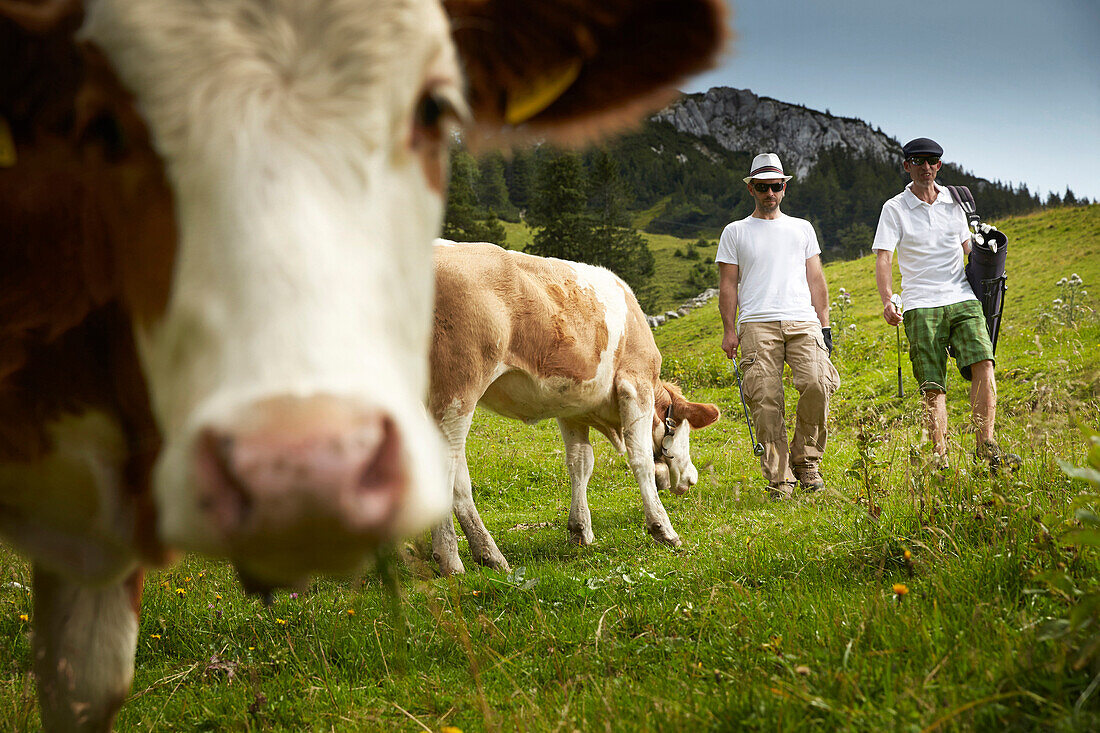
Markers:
(699, 415)
(573, 69)
(40, 17)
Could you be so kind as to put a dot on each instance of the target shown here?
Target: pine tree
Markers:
(854, 239)
(465, 220)
(492, 191)
(606, 194)
(569, 230)
(519, 175)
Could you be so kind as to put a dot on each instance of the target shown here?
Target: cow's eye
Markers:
(106, 132)
(435, 111)
(430, 111)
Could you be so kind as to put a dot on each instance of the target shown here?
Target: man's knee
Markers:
(817, 389)
(932, 395)
(982, 369)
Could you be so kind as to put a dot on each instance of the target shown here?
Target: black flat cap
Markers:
(921, 146)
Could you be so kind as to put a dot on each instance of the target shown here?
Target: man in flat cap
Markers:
(775, 303)
(929, 231)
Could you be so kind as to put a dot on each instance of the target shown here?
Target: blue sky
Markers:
(1010, 89)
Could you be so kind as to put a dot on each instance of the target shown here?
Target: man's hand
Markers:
(729, 344)
(890, 314)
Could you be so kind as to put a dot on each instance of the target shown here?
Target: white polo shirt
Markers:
(770, 255)
(928, 239)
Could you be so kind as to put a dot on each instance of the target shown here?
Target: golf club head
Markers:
(758, 449)
(896, 300)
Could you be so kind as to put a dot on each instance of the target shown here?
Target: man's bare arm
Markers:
(727, 306)
(819, 289)
(884, 279)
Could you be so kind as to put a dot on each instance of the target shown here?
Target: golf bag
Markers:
(985, 268)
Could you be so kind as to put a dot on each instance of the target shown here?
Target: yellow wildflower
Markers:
(181, 592)
(900, 589)
(187, 579)
(908, 555)
(154, 636)
(281, 621)
(450, 729)
(217, 597)
(351, 611)
(24, 617)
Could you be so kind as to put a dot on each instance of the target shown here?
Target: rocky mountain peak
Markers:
(742, 121)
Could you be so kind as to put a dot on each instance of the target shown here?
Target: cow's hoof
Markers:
(581, 535)
(665, 536)
(494, 561)
(584, 539)
(449, 566)
(680, 491)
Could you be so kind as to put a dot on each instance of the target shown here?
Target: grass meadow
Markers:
(894, 600)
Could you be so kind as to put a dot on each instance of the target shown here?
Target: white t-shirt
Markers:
(770, 255)
(928, 239)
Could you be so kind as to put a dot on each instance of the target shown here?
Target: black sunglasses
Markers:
(762, 187)
(922, 159)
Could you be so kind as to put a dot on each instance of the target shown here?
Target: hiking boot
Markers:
(997, 459)
(780, 490)
(810, 479)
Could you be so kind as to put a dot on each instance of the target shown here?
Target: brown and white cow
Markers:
(215, 284)
(533, 338)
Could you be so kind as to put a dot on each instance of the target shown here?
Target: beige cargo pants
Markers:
(764, 348)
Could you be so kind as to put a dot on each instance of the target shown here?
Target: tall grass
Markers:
(899, 598)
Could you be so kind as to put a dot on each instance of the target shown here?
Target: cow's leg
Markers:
(445, 548)
(482, 546)
(580, 462)
(444, 539)
(84, 644)
(636, 412)
(455, 428)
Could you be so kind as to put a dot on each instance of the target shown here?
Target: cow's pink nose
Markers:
(299, 473)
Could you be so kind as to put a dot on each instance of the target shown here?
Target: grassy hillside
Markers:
(772, 616)
(669, 284)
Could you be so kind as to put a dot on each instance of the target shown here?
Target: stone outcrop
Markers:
(686, 307)
(741, 121)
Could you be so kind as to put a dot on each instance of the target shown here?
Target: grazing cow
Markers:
(533, 338)
(215, 291)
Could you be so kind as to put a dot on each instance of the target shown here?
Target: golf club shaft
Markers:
(757, 448)
(901, 393)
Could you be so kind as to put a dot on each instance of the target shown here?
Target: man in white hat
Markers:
(775, 304)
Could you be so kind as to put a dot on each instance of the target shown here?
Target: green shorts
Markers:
(931, 330)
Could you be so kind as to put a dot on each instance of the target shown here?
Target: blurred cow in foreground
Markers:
(215, 282)
(534, 338)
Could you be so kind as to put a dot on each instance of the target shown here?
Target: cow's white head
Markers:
(267, 177)
(304, 148)
(673, 420)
